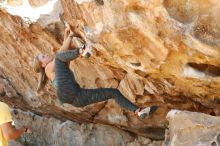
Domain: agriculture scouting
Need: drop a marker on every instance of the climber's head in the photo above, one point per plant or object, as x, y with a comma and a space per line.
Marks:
44, 59
39, 64
41, 61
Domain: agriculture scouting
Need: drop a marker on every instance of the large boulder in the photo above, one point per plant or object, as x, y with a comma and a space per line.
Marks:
192, 129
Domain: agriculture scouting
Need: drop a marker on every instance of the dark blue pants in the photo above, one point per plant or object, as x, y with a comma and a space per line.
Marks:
69, 91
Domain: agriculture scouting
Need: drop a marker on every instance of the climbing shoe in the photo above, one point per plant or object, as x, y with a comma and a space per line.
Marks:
86, 51
147, 111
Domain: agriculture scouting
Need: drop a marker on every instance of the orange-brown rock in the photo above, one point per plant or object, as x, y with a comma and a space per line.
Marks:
14, 3
37, 3
163, 53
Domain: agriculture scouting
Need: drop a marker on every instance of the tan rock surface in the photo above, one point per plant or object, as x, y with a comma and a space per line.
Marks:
156, 52
192, 129
37, 3
14, 3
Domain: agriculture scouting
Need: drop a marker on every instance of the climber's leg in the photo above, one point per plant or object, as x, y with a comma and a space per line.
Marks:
89, 96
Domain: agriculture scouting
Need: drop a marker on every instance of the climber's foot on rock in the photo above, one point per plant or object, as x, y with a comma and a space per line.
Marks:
145, 112
85, 52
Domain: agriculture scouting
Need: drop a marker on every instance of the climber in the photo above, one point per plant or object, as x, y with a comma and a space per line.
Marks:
67, 89
7, 131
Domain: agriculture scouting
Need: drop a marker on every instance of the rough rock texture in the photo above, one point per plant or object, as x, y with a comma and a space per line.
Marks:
192, 129
13, 2
157, 52
68, 133
37, 3
14, 143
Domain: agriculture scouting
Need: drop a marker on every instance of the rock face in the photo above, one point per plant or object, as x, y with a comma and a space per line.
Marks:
68, 133
13, 3
155, 52
192, 129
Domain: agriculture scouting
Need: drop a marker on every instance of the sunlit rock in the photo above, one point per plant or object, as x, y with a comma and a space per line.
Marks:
188, 128
155, 52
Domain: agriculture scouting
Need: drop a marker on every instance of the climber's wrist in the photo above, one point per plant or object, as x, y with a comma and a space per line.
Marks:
71, 36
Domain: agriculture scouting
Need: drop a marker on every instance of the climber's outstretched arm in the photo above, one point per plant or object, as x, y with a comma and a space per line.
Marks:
66, 43
68, 36
66, 33
68, 55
